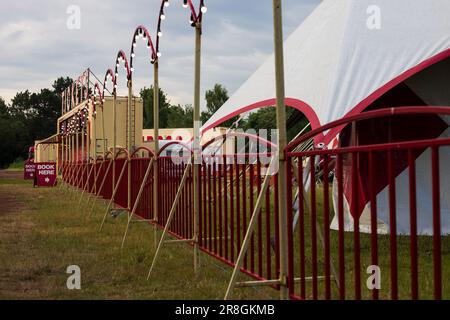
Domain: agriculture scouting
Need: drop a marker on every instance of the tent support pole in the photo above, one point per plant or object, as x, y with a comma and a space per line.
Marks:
282, 140
156, 149
197, 148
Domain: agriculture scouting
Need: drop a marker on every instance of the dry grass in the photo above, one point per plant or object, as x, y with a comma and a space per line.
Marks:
42, 231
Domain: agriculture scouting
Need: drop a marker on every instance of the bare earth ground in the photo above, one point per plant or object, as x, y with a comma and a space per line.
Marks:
43, 231
16, 276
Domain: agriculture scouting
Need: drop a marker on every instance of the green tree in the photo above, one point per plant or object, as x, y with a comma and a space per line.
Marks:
180, 117
13, 136
266, 118
30, 117
147, 96
215, 98
3, 107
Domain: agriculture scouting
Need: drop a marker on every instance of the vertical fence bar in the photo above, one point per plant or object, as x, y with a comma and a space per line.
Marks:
210, 234
215, 203
238, 203
313, 228
301, 228
340, 177
393, 226
244, 206
413, 225
260, 241
290, 237
277, 230
220, 196
356, 215
373, 218
252, 207
232, 223
225, 196
326, 223
436, 224
267, 235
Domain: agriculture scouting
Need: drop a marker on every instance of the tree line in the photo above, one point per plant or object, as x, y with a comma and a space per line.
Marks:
33, 116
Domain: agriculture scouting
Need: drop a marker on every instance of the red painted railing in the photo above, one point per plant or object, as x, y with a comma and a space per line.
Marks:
350, 181
324, 262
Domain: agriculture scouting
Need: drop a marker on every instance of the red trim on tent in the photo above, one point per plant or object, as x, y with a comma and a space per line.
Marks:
303, 107
388, 86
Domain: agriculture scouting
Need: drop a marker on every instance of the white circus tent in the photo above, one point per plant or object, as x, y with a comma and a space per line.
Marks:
349, 56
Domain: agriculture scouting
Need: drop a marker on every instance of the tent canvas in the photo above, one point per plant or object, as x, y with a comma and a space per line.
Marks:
338, 63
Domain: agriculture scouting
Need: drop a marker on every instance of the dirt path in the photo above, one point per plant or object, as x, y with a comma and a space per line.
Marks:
10, 175
17, 278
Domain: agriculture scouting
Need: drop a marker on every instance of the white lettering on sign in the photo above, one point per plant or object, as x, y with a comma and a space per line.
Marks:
46, 167
46, 172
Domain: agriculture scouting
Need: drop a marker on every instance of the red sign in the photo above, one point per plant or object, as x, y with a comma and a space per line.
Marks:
45, 175
28, 170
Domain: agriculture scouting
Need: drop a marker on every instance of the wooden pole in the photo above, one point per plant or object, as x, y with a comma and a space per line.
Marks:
282, 140
197, 148
114, 141
129, 143
156, 148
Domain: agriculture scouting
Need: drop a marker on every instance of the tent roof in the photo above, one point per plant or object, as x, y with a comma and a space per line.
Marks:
336, 65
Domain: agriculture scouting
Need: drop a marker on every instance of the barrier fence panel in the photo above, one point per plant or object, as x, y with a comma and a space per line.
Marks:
170, 171
145, 206
230, 186
121, 197
106, 175
366, 219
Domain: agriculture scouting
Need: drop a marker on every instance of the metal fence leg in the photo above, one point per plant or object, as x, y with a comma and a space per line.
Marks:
169, 219
138, 199
248, 235
101, 186
86, 184
114, 193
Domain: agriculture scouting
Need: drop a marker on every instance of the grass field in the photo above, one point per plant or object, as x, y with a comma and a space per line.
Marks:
43, 231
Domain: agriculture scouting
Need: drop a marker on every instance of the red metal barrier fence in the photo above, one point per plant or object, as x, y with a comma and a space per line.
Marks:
324, 262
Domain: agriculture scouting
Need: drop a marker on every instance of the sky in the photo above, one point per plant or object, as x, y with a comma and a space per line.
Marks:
37, 47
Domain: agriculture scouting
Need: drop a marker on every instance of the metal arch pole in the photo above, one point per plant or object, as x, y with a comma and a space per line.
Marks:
114, 141
138, 199
103, 134
197, 148
156, 148
249, 233
282, 141
170, 218
129, 143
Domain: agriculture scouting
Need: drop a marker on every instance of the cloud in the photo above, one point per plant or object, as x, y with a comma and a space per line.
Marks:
37, 47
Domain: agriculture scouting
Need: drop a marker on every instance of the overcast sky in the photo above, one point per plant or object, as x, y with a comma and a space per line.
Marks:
36, 46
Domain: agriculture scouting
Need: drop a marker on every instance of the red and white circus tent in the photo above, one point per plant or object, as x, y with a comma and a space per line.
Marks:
350, 56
